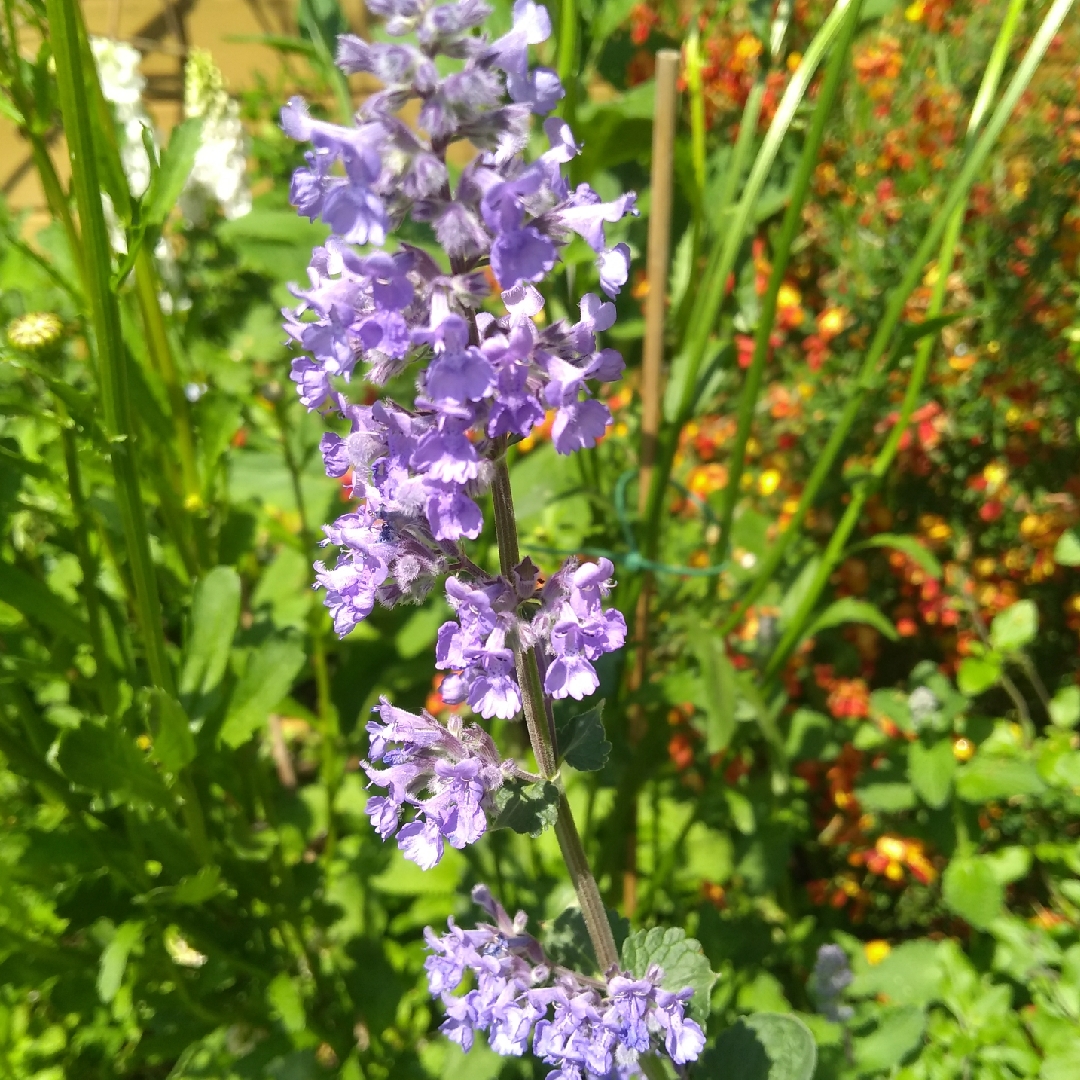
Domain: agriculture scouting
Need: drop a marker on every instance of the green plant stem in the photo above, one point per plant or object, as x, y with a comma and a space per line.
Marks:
834, 75
161, 356
328, 717
65, 28
920, 369
543, 744
868, 376
709, 299
105, 319
88, 565
568, 59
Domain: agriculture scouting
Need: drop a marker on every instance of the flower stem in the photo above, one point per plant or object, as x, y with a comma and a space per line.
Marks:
543, 745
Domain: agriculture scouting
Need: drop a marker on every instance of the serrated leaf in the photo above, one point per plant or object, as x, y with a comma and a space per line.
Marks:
524, 807
764, 1046
912, 548
101, 758
977, 674
1065, 707
114, 958
847, 610
719, 685
267, 679
682, 959
215, 611
173, 743
931, 770
971, 889
177, 161
1067, 549
1015, 627
582, 740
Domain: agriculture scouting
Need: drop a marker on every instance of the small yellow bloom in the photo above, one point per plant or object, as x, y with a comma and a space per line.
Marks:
143, 742
794, 60
876, 951
914, 12
788, 296
894, 872
34, 331
769, 481
891, 847
995, 474
963, 749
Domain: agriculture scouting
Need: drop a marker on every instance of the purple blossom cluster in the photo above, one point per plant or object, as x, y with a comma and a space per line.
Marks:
444, 772
588, 1029
569, 628
483, 380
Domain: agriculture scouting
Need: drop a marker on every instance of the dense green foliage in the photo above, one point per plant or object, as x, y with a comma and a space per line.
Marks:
854, 721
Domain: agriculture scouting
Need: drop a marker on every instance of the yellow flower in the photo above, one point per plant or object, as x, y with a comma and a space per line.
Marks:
891, 847
34, 331
914, 12
769, 481
794, 60
963, 749
995, 474
876, 951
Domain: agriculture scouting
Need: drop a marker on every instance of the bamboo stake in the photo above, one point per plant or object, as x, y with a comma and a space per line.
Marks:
656, 269
656, 265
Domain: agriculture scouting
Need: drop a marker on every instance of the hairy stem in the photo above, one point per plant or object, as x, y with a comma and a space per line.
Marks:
543, 745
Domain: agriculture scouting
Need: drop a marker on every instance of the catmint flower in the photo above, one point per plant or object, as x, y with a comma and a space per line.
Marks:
445, 773
831, 977
483, 379
585, 1028
569, 629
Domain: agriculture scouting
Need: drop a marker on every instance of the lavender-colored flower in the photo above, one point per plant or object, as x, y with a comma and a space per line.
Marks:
831, 977
486, 379
444, 772
585, 1028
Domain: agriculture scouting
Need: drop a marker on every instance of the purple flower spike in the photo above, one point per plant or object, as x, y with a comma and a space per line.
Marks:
445, 773
583, 1028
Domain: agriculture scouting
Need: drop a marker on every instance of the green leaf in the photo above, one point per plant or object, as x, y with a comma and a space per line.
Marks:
101, 757
173, 745
971, 889
37, 603
886, 797
798, 590
682, 959
910, 975
582, 740
987, 777
1065, 707
284, 999
114, 959
912, 548
1067, 549
741, 809
764, 1046
719, 685
566, 940
899, 1031
528, 808
931, 769
1009, 864
910, 333
267, 679
198, 887
215, 611
848, 609
978, 673
1015, 627
177, 161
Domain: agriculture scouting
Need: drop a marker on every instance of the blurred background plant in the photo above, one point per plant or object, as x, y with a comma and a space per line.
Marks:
847, 760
